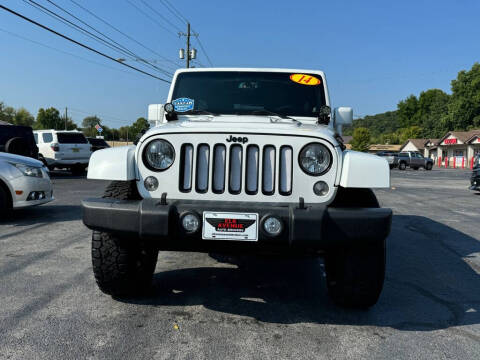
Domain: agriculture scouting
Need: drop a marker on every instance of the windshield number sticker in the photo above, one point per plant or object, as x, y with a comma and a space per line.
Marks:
183, 104
304, 79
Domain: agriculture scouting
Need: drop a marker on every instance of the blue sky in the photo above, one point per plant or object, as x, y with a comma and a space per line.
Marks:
374, 53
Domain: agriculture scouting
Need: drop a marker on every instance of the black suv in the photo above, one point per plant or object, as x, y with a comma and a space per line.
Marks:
18, 140
97, 144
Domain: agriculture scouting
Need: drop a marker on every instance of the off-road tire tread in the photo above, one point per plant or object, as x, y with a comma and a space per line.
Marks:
122, 190
122, 267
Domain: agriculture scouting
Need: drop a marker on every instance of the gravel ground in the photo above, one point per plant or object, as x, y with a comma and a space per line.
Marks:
204, 307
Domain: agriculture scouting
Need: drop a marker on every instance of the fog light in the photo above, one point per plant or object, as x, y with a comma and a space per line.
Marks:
320, 188
36, 195
151, 183
273, 226
190, 222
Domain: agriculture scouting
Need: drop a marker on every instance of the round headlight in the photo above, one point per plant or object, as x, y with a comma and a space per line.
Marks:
315, 159
159, 155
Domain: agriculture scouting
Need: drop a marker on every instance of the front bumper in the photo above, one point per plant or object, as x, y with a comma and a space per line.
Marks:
311, 227
26, 185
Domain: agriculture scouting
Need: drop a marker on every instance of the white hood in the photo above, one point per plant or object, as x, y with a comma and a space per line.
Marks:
233, 124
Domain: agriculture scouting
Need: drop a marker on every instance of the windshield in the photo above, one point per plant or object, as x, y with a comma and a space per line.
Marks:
242, 93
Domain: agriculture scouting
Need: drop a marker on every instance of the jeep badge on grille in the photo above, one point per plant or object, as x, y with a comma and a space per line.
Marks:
242, 140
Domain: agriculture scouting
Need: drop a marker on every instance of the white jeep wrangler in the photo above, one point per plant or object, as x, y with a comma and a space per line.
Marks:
243, 160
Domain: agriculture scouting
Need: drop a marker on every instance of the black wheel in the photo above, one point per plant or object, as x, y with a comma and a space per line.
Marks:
402, 166
428, 166
78, 170
391, 166
355, 274
123, 266
18, 146
5, 201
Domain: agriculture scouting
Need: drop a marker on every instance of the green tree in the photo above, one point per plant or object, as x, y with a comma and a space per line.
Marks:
432, 105
137, 127
407, 111
49, 119
411, 132
23, 117
464, 106
88, 125
361, 139
7, 113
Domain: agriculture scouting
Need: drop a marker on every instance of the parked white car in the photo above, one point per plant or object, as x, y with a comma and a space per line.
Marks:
23, 182
63, 149
242, 160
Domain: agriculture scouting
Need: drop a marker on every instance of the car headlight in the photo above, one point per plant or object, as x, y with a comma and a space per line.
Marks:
315, 159
29, 170
158, 155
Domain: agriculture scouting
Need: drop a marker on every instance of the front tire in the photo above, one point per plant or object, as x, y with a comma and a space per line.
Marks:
428, 166
122, 266
402, 166
355, 273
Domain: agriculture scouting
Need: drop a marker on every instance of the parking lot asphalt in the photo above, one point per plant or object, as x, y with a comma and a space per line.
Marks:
219, 307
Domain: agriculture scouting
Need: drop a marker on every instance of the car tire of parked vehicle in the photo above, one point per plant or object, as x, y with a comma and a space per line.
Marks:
78, 170
4, 200
17, 146
122, 267
355, 274
402, 165
391, 167
428, 166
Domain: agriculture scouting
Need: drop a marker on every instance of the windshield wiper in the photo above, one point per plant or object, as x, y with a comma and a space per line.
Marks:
198, 112
268, 112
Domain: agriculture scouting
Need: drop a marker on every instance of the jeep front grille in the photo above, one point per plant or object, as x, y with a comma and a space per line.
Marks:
236, 169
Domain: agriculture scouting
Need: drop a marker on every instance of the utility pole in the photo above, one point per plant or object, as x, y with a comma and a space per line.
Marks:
66, 117
191, 53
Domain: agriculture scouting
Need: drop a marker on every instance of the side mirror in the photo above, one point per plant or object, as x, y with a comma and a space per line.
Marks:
155, 114
343, 116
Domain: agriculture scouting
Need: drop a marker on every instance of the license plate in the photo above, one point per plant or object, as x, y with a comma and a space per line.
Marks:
75, 150
230, 226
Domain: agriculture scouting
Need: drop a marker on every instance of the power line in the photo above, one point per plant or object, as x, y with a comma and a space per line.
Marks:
61, 51
203, 49
151, 18
160, 15
182, 18
137, 57
174, 11
123, 33
79, 43
91, 35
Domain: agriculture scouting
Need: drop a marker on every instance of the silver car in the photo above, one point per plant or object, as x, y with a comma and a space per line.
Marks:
23, 182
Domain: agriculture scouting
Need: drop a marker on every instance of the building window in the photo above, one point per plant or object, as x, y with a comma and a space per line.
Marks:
458, 153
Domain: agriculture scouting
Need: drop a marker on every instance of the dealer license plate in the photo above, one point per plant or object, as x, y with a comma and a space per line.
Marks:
75, 149
230, 226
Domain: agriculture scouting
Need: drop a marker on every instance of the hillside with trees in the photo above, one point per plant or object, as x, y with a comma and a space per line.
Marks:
430, 115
